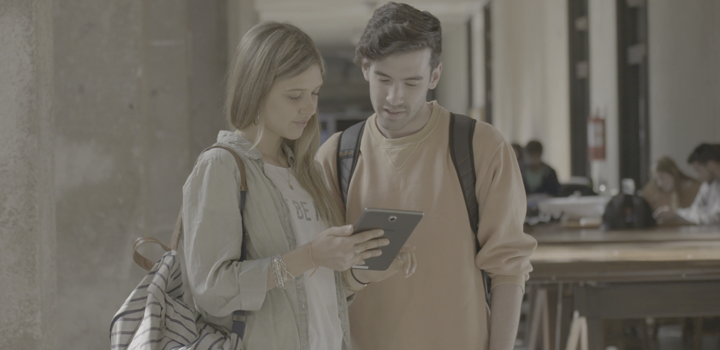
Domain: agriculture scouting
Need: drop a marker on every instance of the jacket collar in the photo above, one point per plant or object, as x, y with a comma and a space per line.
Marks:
245, 148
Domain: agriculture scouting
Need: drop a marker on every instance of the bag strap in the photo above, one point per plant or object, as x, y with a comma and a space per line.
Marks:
239, 317
347, 156
139, 259
177, 232
462, 129
147, 264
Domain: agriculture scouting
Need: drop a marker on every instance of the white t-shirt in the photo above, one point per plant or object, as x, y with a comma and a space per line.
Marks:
705, 209
324, 322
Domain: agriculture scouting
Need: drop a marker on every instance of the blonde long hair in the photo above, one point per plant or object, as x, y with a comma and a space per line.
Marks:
667, 165
270, 52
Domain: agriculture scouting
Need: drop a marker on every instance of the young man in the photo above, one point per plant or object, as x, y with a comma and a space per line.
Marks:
405, 163
538, 177
705, 210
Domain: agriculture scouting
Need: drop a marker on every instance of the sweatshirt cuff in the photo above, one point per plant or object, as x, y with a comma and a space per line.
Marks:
508, 279
351, 298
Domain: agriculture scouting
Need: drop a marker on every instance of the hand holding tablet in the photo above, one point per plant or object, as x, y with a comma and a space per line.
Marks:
397, 225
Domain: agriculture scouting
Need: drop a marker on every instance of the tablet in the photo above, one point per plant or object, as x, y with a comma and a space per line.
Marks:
397, 224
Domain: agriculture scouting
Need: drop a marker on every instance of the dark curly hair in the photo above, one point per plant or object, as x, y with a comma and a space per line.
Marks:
534, 147
704, 153
398, 28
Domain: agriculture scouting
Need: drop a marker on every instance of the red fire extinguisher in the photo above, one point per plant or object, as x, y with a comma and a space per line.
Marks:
596, 137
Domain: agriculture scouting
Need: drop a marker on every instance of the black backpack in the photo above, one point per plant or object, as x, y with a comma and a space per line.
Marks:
462, 129
627, 211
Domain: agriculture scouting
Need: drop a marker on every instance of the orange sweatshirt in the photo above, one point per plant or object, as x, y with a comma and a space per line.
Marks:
443, 305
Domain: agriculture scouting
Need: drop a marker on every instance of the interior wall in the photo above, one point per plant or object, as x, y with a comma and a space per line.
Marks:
452, 91
684, 77
530, 76
477, 24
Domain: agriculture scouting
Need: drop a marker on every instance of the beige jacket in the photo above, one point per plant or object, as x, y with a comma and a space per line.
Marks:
216, 282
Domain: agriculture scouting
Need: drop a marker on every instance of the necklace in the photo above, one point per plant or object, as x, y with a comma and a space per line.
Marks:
286, 178
277, 161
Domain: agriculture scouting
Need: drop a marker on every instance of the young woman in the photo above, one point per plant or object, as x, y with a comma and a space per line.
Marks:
670, 187
296, 278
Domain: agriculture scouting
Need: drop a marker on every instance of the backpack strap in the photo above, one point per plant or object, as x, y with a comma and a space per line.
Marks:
347, 156
462, 129
239, 317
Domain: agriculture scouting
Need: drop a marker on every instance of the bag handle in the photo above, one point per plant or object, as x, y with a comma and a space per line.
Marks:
139, 259
148, 264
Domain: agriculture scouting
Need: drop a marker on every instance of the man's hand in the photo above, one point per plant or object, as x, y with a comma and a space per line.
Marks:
664, 214
405, 262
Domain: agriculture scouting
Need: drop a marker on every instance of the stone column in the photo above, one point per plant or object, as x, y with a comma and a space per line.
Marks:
28, 273
139, 92
241, 17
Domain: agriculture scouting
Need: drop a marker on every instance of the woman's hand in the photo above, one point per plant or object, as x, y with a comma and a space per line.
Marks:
405, 262
338, 249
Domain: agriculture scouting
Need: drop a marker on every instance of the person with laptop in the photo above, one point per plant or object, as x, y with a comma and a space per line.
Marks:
705, 209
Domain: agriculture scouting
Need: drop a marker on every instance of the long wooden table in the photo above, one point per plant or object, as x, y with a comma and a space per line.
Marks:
662, 272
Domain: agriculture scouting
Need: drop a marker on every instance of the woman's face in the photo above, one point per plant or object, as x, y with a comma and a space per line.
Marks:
291, 103
665, 181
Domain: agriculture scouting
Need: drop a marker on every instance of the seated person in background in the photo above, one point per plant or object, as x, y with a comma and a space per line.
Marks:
670, 187
518, 152
705, 209
538, 177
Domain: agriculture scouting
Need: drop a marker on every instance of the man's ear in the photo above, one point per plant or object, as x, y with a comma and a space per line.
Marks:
435, 76
365, 66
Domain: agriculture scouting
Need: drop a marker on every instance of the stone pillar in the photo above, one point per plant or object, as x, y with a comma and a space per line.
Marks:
242, 15
28, 272
208, 52
139, 92
101, 168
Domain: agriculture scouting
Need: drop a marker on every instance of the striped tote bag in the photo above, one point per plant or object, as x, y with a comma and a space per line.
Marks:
154, 316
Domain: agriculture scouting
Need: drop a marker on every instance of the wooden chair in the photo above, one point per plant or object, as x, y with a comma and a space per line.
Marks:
578, 333
702, 326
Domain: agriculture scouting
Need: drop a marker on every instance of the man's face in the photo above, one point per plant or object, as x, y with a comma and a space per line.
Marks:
665, 181
704, 174
398, 87
532, 160
713, 168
